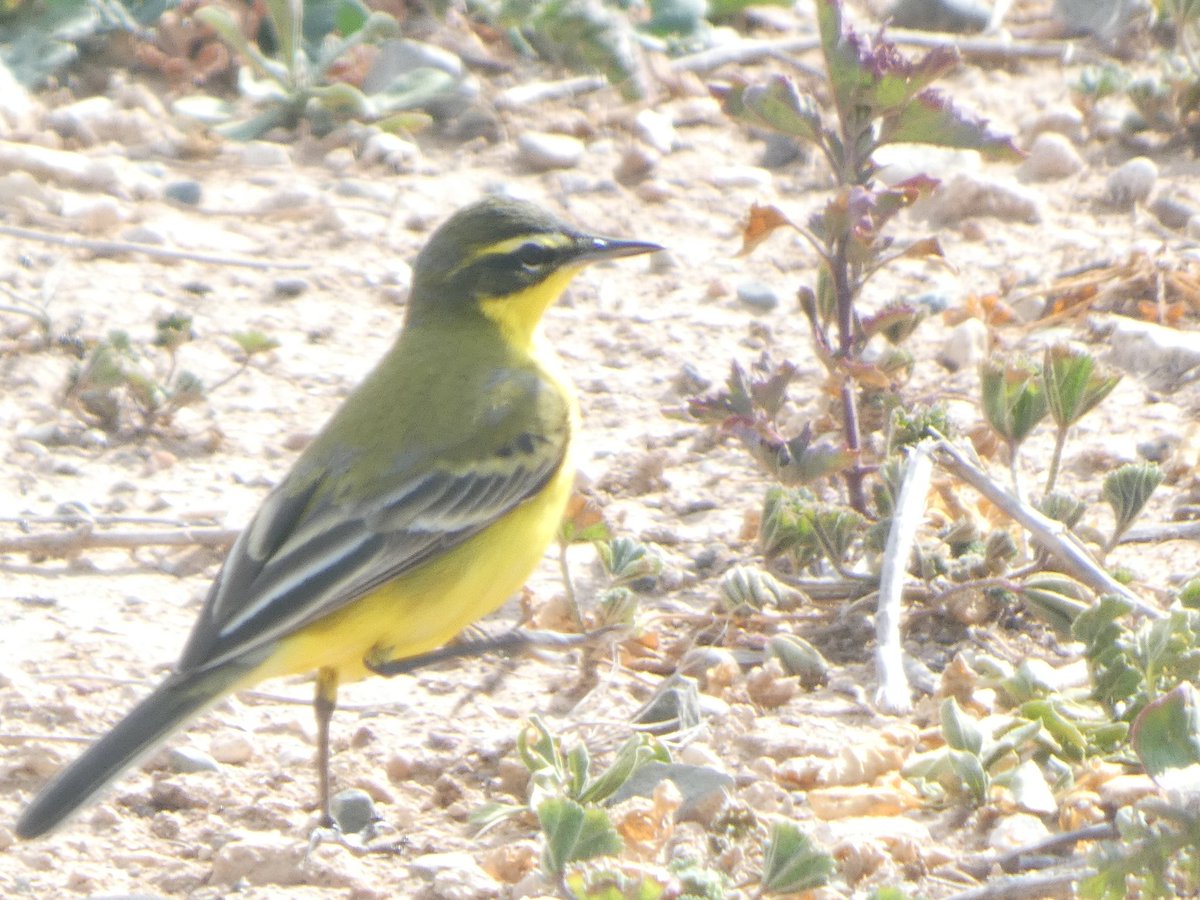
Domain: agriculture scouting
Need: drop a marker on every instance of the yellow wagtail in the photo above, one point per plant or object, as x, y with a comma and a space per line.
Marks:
424, 503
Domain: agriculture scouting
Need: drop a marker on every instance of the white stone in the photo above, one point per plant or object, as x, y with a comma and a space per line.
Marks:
967, 196
655, 129
264, 154
1017, 830
542, 151
741, 177
1166, 358
391, 150
1052, 156
965, 347
91, 214
260, 859
60, 166
231, 748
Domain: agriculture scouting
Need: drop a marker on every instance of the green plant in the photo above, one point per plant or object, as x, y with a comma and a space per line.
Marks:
124, 388
878, 98
296, 77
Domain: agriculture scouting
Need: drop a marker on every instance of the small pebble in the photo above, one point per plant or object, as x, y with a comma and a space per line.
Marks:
189, 759
541, 151
289, 287
48, 434
91, 214
232, 749
655, 190
1131, 183
17, 186
780, 150
264, 154
662, 262
1171, 211
1155, 451
1017, 830
1051, 157
1064, 120
741, 177
391, 150
655, 129
339, 159
635, 165
965, 347
185, 191
758, 295
353, 810
143, 234
956, 16
966, 196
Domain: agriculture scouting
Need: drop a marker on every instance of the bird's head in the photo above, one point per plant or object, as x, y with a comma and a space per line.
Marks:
507, 259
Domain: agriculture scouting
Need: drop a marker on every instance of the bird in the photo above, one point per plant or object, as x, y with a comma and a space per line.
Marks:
423, 504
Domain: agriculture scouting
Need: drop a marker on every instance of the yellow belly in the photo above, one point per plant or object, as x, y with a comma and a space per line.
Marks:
425, 608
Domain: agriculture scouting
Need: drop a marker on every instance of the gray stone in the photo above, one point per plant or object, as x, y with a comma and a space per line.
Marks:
289, 287
957, 16
758, 295
353, 810
1171, 211
186, 191
1131, 183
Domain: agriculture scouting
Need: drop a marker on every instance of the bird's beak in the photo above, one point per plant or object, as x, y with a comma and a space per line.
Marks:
595, 249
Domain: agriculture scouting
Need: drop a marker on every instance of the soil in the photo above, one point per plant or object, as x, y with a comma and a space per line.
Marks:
83, 638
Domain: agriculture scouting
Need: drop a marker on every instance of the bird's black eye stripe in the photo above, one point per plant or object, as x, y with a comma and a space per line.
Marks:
534, 255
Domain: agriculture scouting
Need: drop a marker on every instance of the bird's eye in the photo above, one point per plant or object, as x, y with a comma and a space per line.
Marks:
534, 255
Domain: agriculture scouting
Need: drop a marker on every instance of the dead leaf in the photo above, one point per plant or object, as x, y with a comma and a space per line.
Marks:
763, 220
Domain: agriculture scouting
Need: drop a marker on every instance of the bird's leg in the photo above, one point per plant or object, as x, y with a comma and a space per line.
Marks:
324, 704
516, 639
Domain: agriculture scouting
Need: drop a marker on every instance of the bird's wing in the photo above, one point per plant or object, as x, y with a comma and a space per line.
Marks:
308, 552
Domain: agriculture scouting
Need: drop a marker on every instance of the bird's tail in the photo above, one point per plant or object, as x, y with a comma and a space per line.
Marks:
177, 699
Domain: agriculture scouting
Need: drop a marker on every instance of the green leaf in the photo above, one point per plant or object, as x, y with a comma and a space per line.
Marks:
959, 729
1013, 399
745, 589
932, 119
1061, 728
252, 343
635, 753
1065, 508
776, 105
1127, 491
1166, 734
969, 769
349, 16
800, 658
837, 528
574, 833
791, 862
1073, 384
222, 22
1056, 599
627, 560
